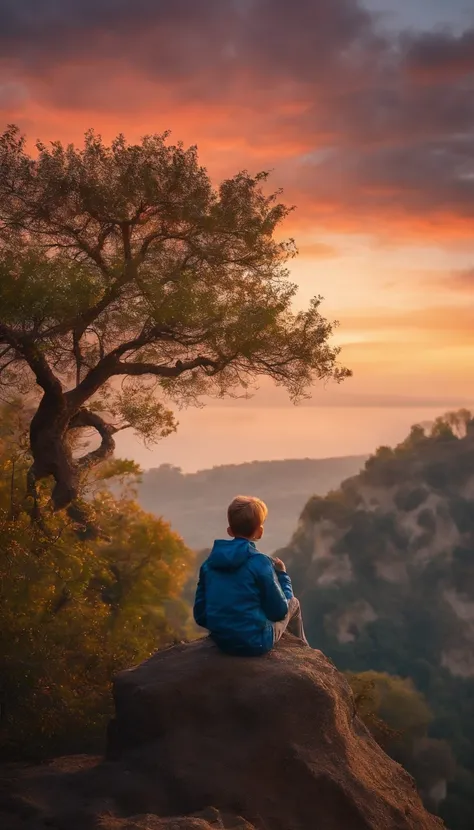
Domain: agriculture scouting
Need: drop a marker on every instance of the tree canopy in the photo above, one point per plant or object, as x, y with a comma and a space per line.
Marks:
129, 283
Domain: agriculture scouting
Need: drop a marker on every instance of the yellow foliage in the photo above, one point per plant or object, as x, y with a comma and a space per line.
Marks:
73, 612
391, 707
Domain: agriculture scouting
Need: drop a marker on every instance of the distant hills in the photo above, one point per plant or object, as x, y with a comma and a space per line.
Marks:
195, 503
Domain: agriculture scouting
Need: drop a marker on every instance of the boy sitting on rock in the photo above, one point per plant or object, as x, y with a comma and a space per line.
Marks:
245, 598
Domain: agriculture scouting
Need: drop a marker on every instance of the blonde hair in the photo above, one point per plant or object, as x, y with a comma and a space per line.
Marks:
245, 515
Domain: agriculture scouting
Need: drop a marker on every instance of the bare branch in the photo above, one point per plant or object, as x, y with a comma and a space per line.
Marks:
99, 340
126, 239
137, 369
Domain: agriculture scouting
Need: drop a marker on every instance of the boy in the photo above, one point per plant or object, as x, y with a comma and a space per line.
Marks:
244, 598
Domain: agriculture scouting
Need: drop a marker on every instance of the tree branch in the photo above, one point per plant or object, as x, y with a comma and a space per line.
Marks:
9, 336
5, 351
93, 253
87, 317
85, 418
126, 239
76, 348
137, 369
28, 349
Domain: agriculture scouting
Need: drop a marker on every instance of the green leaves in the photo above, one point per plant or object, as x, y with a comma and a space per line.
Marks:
125, 260
37, 290
75, 611
138, 409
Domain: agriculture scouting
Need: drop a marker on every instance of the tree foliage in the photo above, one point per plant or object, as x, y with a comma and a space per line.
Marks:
75, 610
398, 716
127, 281
394, 701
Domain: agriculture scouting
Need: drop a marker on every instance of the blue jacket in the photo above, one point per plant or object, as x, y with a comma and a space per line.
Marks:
239, 595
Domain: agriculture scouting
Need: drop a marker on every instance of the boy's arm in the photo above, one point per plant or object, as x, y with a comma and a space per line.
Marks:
285, 584
199, 610
283, 578
274, 601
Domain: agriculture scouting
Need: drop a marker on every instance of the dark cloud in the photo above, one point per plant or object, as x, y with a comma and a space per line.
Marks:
303, 40
25, 21
425, 186
441, 54
169, 37
388, 142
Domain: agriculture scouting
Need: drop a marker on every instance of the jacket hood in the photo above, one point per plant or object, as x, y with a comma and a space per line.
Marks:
230, 554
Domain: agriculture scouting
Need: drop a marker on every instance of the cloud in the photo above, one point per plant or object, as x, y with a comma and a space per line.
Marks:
12, 95
440, 55
267, 33
318, 250
462, 281
444, 325
342, 111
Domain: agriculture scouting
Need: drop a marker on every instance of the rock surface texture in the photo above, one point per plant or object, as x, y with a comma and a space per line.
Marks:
272, 739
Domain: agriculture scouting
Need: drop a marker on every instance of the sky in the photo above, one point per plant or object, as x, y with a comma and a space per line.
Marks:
364, 112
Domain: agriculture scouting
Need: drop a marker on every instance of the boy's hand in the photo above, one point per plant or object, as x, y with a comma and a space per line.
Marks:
279, 565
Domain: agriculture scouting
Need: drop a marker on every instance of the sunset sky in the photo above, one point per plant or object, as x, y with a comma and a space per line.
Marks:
365, 114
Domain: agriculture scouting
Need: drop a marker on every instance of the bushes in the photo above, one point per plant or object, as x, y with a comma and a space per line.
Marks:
74, 611
410, 498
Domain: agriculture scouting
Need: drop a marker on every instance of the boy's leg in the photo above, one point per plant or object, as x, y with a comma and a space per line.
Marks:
293, 622
295, 625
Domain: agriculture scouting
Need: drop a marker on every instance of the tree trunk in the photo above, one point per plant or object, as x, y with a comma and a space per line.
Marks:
52, 455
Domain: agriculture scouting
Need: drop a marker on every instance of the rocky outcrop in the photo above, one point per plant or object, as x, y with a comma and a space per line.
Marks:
82, 793
275, 740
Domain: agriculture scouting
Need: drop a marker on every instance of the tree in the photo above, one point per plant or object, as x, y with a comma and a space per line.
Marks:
395, 700
74, 611
125, 275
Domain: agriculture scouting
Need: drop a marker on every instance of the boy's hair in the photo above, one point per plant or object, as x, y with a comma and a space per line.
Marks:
245, 514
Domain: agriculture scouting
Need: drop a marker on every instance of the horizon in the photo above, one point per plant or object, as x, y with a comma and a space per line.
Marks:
256, 442
256, 461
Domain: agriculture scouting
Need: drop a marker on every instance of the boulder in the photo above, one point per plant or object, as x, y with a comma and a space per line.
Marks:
202, 741
274, 739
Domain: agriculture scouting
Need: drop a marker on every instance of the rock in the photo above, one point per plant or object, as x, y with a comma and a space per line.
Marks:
80, 793
272, 743
274, 739
210, 820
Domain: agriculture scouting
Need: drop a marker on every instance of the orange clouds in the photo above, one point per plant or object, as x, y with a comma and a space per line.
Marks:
312, 90
443, 324
317, 250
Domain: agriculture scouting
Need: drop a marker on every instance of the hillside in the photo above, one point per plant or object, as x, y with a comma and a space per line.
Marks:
195, 503
384, 567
